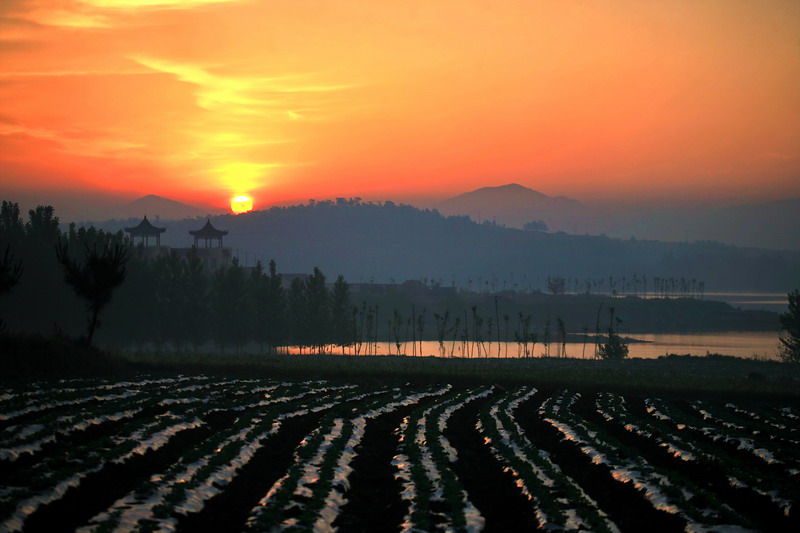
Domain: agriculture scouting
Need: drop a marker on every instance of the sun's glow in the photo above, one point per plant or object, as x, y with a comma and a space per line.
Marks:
582, 99
241, 204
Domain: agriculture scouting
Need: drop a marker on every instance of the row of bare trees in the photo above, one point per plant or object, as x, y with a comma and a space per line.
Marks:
476, 335
635, 285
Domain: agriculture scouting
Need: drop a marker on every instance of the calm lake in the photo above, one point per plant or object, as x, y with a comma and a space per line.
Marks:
761, 345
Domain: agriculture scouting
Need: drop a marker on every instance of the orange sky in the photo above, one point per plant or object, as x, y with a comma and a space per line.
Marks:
198, 100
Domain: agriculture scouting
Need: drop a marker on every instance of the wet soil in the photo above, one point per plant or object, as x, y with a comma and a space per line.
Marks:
623, 504
373, 499
8, 469
101, 489
228, 511
374, 502
493, 491
756, 508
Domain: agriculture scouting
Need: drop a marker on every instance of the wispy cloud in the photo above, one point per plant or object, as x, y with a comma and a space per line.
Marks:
94, 14
237, 94
157, 4
74, 142
68, 73
69, 18
215, 92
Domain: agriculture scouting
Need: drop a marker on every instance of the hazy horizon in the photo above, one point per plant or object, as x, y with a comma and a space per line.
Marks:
87, 205
608, 101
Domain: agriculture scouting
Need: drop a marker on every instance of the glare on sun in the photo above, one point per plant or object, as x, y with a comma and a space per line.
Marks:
241, 204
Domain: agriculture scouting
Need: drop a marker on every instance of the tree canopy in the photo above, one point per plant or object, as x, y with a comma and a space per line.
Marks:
790, 322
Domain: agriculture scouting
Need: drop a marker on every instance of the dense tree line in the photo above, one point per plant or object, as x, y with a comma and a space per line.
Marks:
166, 301
172, 301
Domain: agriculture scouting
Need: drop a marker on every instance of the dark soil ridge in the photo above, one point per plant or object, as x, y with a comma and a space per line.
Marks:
29, 417
373, 499
761, 508
99, 490
228, 510
624, 505
493, 491
769, 470
75, 438
71, 439
756, 508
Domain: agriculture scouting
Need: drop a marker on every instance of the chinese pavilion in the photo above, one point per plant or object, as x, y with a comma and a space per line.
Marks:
145, 230
208, 233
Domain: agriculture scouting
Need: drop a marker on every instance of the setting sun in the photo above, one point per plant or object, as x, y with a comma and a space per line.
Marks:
241, 204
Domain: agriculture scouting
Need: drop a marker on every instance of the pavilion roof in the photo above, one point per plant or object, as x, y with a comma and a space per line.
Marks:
145, 228
208, 231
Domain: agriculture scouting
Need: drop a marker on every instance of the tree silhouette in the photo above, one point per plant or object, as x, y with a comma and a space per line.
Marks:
42, 224
441, 329
270, 300
395, 326
12, 230
297, 313
790, 321
318, 312
10, 272
95, 278
194, 309
562, 336
343, 327
614, 348
170, 292
232, 305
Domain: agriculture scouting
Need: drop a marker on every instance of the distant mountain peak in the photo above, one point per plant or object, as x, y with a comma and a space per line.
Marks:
509, 187
153, 197
155, 206
513, 204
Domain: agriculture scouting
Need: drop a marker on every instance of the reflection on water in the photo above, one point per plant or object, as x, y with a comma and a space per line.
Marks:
758, 344
768, 301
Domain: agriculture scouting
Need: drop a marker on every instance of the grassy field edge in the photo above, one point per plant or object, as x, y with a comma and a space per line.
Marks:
29, 358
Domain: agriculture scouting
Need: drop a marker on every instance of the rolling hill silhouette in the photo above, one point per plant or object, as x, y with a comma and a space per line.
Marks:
158, 207
765, 225
383, 242
513, 205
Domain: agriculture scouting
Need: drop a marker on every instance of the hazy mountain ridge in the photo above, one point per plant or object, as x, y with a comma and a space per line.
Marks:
765, 225
381, 242
513, 205
158, 207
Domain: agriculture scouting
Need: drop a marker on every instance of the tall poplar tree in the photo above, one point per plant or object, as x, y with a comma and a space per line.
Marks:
343, 327
318, 311
95, 278
790, 322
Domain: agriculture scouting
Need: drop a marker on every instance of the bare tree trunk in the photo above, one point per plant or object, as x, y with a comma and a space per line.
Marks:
92, 325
